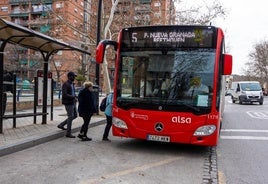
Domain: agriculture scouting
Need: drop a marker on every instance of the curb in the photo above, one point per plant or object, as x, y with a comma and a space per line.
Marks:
36, 140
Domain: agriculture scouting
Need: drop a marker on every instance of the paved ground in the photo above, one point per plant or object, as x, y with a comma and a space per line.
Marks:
26, 134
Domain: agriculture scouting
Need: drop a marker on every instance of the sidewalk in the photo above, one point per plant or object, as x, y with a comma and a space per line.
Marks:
28, 134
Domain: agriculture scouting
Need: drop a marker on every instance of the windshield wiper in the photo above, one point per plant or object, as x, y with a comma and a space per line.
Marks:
190, 106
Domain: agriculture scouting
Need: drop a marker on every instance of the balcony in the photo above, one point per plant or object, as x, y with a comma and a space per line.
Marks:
41, 8
20, 22
30, 63
19, 14
43, 1
145, 1
39, 21
17, 2
143, 9
35, 10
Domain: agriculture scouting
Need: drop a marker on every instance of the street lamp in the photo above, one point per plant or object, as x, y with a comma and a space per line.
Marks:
97, 72
98, 39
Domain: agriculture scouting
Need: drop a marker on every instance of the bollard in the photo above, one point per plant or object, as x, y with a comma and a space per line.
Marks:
18, 95
59, 94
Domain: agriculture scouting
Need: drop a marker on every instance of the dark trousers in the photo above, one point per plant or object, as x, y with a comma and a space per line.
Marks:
4, 98
84, 127
72, 114
107, 127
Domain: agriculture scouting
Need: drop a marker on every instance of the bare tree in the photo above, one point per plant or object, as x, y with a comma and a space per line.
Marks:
258, 61
202, 13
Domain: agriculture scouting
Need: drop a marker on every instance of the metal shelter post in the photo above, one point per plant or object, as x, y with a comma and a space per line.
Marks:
2, 47
45, 78
97, 71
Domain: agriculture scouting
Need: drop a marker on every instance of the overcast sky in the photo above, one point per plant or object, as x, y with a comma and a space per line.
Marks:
245, 25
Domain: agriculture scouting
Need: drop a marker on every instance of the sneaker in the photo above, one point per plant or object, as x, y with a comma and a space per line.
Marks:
86, 139
61, 127
106, 139
80, 136
70, 136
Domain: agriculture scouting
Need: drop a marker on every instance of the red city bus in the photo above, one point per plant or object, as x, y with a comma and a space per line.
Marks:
169, 83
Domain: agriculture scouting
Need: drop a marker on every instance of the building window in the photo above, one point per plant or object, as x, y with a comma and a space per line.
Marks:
59, 5
4, 8
157, 4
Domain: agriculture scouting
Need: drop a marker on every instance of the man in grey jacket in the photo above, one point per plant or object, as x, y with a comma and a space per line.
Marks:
69, 100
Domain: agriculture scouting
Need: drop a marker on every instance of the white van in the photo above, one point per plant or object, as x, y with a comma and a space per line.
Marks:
246, 91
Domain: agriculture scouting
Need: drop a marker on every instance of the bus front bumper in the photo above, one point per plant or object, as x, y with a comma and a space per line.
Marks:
174, 137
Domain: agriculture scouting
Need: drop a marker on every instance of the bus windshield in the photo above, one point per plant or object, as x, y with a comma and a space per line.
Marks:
175, 80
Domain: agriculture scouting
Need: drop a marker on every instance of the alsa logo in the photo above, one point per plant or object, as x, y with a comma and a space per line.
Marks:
181, 119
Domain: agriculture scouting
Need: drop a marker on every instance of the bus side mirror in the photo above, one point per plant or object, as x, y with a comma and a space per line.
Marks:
100, 51
228, 64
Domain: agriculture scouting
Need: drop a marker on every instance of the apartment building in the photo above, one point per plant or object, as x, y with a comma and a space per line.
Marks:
75, 22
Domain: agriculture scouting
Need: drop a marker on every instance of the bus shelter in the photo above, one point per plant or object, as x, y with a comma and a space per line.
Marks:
47, 46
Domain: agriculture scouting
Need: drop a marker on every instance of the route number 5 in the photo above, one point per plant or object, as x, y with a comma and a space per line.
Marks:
134, 38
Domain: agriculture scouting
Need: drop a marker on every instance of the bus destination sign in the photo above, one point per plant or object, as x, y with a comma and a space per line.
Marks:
168, 37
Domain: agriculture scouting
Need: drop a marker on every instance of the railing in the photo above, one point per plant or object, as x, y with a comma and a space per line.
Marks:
28, 95
18, 1
22, 87
28, 1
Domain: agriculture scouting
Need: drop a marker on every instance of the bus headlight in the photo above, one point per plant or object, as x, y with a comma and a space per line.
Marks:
205, 130
119, 123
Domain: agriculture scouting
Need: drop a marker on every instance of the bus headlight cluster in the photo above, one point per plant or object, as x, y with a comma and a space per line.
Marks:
119, 123
205, 130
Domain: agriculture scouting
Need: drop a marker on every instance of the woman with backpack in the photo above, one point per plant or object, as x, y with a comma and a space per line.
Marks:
108, 114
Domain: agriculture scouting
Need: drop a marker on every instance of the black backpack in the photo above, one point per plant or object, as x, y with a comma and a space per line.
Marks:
103, 104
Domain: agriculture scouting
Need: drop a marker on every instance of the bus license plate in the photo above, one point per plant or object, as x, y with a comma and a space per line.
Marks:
158, 138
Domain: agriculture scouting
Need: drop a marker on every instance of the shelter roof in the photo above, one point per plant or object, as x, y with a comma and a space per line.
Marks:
17, 34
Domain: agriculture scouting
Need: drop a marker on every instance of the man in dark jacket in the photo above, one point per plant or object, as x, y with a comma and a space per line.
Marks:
69, 100
86, 108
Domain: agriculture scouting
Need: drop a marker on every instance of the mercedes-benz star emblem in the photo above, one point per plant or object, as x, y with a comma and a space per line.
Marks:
159, 127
